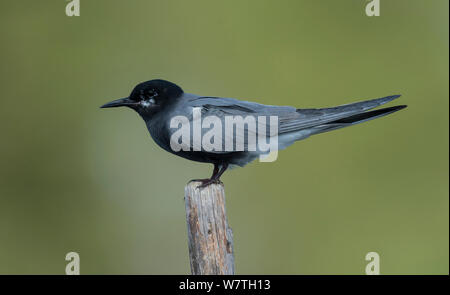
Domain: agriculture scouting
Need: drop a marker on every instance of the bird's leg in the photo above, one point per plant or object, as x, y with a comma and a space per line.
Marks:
215, 178
222, 170
215, 171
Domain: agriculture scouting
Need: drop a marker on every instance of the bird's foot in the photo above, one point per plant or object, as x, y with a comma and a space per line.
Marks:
206, 182
202, 180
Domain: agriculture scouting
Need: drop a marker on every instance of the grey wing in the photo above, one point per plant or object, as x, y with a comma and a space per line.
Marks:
223, 107
293, 124
291, 119
231, 106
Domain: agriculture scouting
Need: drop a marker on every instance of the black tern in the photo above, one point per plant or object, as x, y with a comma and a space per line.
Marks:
161, 102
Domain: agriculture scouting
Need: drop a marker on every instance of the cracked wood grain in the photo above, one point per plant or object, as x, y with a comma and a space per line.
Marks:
210, 238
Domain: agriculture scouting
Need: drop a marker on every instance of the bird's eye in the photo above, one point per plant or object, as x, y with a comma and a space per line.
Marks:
152, 95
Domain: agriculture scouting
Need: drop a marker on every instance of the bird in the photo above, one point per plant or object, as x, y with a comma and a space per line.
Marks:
159, 101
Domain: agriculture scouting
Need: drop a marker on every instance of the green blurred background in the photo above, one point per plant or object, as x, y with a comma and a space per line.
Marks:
77, 178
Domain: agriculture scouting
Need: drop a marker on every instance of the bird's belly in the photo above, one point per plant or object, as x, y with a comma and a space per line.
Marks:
161, 137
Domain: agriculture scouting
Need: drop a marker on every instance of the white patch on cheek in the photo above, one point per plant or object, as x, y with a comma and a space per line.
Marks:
145, 103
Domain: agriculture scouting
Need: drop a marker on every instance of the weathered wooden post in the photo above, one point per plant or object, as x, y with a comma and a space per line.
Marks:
209, 236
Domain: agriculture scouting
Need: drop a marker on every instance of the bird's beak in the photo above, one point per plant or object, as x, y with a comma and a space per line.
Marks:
122, 102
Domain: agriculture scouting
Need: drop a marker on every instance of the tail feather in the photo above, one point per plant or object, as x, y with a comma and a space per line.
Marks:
311, 118
356, 119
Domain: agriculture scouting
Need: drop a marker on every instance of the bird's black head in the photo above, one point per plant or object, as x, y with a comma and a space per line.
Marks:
148, 97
